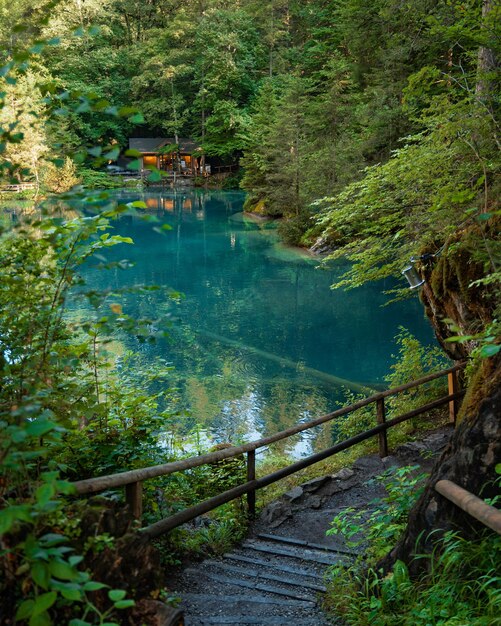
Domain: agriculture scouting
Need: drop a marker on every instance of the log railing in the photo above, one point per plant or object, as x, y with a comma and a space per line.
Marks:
132, 480
471, 504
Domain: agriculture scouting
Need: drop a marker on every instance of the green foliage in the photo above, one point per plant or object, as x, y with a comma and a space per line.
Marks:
462, 588
382, 527
415, 361
462, 585
95, 179
49, 370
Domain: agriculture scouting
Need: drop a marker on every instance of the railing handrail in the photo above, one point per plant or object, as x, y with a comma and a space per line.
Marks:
249, 488
120, 479
471, 504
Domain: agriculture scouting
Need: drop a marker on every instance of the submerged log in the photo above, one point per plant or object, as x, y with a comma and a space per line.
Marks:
328, 378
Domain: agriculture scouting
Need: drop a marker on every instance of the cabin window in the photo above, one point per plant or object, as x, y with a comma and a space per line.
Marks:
149, 160
166, 162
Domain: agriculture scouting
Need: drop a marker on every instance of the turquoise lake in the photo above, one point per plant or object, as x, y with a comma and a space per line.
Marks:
259, 339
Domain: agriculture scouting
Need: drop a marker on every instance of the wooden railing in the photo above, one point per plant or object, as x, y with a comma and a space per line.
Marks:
19, 187
471, 504
132, 480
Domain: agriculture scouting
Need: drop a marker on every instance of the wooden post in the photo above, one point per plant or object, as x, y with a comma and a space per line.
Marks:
452, 380
134, 498
383, 436
251, 475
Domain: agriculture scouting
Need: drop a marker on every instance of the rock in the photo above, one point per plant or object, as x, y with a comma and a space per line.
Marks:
315, 502
437, 441
313, 485
276, 513
390, 461
154, 613
411, 452
336, 486
343, 474
372, 463
294, 494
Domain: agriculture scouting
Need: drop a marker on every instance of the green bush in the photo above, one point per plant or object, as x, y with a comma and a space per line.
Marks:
462, 586
95, 179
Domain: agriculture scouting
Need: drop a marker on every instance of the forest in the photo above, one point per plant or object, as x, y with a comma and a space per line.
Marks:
368, 131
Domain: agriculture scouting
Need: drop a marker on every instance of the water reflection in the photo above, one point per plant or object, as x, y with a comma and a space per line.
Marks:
259, 341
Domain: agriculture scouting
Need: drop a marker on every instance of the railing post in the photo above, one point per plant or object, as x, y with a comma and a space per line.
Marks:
383, 435
251, 475
453, 384
134, 498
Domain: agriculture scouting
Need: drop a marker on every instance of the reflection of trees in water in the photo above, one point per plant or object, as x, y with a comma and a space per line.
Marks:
270, 319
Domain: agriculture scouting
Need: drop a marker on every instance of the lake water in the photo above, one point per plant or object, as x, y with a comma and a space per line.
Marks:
259, 341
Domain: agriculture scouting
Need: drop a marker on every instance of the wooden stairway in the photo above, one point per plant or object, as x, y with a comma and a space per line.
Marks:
265, 580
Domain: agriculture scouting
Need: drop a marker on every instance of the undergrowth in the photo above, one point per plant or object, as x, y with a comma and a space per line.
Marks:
462, 586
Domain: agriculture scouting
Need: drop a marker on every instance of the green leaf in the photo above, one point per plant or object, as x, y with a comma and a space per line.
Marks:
62, 570
154, 176
25, 609
78, 622
116, 594
39, 427
11, 514
44, 493
42, 619
72, 594
92, 585
483, 217
40, 574
52, 539
113, 154
132, 153
37, 48
84, 107
134, 165
44, 602
124, 604
490, 350
120, 239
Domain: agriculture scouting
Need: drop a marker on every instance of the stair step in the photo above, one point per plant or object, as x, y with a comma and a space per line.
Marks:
261, 620
277, 566
254, 573
246, 600
306, 544
301, 555
253, 585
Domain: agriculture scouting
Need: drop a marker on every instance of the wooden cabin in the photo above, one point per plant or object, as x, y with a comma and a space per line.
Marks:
185, 158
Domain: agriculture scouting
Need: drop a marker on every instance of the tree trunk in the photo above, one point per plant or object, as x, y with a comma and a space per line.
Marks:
487, 62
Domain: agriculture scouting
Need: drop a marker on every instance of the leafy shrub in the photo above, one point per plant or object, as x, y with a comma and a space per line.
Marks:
463, 585
95, 179
414, 361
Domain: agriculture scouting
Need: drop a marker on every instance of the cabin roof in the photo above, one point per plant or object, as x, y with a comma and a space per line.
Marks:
153, 144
